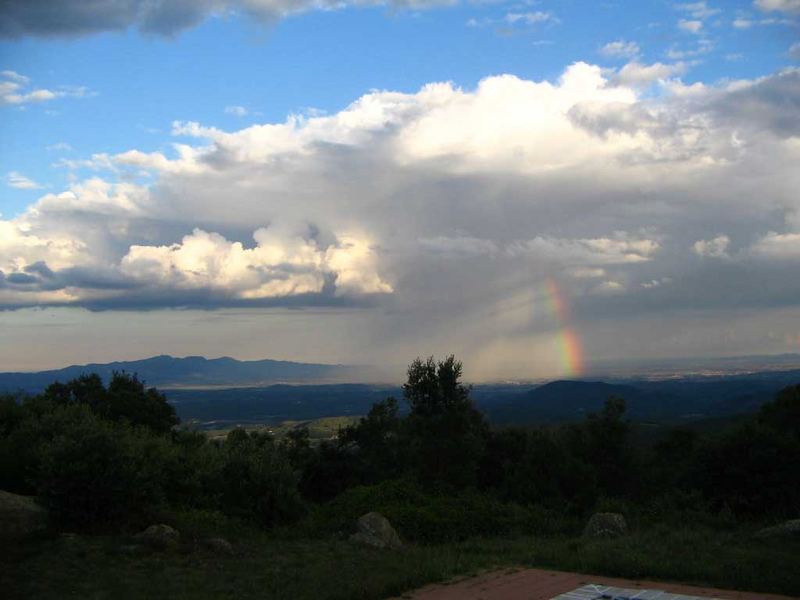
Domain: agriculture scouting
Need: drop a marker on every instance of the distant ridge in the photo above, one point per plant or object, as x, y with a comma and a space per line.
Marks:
680, 398
193, 371
564, 400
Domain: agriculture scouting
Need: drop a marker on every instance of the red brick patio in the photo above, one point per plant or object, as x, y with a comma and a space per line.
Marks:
540, 584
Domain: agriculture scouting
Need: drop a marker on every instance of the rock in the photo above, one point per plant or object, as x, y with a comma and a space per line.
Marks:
159, 537
786, 529
20, 516
219, 545
375, 530
606, 525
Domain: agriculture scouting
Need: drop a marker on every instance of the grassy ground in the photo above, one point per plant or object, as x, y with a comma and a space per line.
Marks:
324, 428
269, 567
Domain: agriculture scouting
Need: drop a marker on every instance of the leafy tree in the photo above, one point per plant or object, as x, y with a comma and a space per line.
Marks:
129, 400
257, 480
535, 467
444, 432
332, 469
297, 446
602, 442
87, 389
783, 413
377, 440
92, 472
11, 413
125, 399
752, 470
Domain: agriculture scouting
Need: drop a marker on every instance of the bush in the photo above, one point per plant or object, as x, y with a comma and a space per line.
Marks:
254, 479
783, 413
125, 400
93, 473
535, 467
426, 517
752, 470
331, 469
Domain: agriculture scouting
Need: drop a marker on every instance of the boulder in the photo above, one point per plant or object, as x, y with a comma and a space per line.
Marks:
159, 537
219, 545
606, 525
786, 529
20, 516
373, 529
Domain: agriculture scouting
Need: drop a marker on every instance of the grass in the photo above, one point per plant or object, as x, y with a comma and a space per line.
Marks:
268, 566
324, 428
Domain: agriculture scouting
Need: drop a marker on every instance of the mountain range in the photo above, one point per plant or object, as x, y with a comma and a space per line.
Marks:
226, 391
193, 371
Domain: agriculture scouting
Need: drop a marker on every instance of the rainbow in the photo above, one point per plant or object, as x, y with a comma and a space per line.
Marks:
569, 343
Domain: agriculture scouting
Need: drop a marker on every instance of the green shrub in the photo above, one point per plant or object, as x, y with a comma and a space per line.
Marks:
426, 517
752, 470
93, 473
254, 479
125, 400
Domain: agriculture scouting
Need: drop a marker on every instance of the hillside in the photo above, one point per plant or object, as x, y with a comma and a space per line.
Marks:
672, 400
193, 371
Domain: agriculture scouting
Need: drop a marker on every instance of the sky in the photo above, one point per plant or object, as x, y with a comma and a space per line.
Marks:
535, 186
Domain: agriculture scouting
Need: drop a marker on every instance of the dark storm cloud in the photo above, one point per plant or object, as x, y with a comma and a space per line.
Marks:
48, 18
770, 104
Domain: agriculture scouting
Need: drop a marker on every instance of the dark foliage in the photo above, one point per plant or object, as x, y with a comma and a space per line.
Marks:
444, 432
125, 399
112, 456
255, 479
94, 472
783, 414
377, 438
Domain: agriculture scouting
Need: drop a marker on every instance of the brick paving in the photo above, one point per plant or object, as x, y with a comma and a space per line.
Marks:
541, 584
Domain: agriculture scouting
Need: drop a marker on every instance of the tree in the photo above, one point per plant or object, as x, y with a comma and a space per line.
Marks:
256, 479
783, 413
376, 439
602, 442
93, 472
752, 470
445, 433
87, 389
125, 399
129, 400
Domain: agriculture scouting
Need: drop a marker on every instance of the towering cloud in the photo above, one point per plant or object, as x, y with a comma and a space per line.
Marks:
443, 207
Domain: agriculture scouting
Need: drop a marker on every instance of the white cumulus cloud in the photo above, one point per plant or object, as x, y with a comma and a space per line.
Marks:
690, 25
437, 204
15, 90
620, 48
787, 6
716, 247
236, 111
20, 182
636, 73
